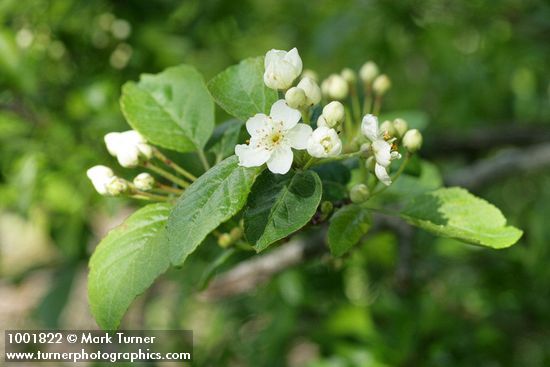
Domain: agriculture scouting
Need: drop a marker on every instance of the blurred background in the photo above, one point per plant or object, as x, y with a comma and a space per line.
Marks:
478, 71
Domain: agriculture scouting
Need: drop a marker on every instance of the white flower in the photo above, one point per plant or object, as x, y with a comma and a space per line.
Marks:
281, 68
273, 137
128, 147
311, 90
380, 148
368, 72
144, 181
335, 87
324, 142
334, 113
100, 176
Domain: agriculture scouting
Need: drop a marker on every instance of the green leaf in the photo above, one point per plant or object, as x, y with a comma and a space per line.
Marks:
225, 137
280, 205
408, 186
211, 200
240, 89
346, 228
126, 263
455, 213
334, 176
172, 109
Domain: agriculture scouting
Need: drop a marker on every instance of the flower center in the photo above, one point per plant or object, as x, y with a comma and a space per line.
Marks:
326, 143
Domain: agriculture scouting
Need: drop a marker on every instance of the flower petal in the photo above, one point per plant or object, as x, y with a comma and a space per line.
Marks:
299, 135
273, 56
382, 174
281, 160
257, 123
369, 127
382, 152
293, 57
281, 112
251, 157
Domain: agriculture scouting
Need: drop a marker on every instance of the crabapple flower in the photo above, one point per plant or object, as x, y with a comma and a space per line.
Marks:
412, 140
281, 68
368, 72
311, 90
100, 177
144, 181
128, 147
324, 142
333, 113
335, 87
381, 149
273, 137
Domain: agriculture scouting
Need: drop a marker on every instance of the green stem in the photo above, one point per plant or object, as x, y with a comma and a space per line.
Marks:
174, 166
305, 115
169, 189
203, 159
377, 105
397, 174
367, 103
309, 163
138, 194
165, 174
348, 128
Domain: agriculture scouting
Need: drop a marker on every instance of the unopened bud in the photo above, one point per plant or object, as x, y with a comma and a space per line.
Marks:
225, 240
117, 186
349, 75
311, 90
144, 181
368, 72
370, 164
236, 233
400, 127
308, 73
359, 193
321, 122
381, 84
387, 127
334, 113
295, 98
326, 208
412, 140
335, 87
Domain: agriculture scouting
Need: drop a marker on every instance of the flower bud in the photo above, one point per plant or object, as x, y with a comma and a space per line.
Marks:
326, 208
281, 68
308, 73
100, 177
381, 84
334, 114
236, 233
400, 127
321, 122
349, 75
311, 90
128, 147
388, 128
324, 142
117, 186
295, 98
368, 72
359, 193
144, 181
225, 240
412, 140
370, 164
335, 87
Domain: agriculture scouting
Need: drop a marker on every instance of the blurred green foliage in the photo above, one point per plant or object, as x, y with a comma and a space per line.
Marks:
466, 64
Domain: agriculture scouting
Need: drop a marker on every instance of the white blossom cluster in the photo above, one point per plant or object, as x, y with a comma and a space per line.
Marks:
129, 148
273, 137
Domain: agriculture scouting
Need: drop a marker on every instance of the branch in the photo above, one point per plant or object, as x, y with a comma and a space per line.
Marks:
483, 139
507, 163
251, 273
259, 269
